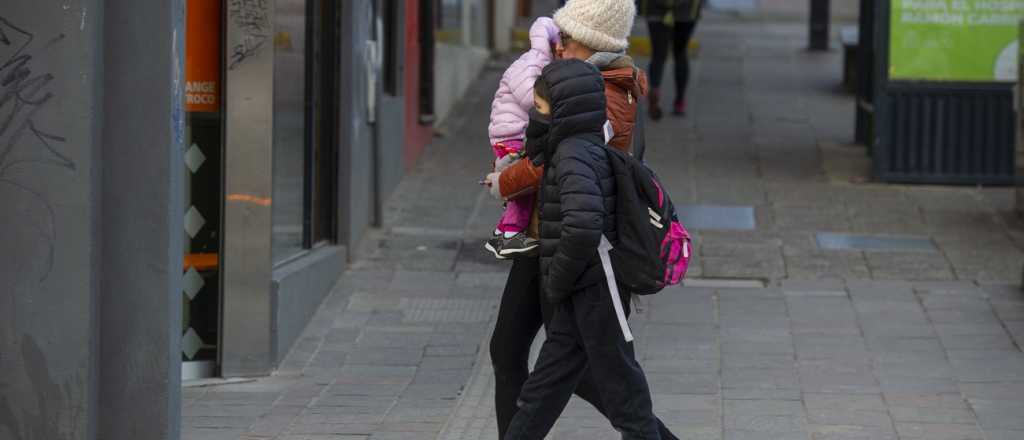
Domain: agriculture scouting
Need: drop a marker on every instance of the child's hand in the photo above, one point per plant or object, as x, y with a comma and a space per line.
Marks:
504, 162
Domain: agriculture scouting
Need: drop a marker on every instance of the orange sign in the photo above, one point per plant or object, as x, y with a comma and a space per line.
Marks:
202, 55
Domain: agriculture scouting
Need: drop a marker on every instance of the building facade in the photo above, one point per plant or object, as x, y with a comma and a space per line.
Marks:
183, 181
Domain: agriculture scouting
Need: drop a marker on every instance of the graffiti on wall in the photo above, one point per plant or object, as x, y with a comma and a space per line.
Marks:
25, 144
252, 19
28, 149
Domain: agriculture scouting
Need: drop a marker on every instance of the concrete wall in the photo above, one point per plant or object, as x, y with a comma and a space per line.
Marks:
297, 290
355, 170
49, 187
90, 184
455, 70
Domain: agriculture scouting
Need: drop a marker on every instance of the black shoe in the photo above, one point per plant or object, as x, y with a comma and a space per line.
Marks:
494, 246
519, 245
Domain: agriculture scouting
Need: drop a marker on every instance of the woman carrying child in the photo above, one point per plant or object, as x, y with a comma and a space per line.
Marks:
595, 31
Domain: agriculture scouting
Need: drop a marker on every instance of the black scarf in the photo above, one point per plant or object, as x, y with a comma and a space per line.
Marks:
537, 133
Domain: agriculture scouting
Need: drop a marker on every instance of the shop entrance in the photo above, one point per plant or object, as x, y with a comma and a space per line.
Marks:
204, 124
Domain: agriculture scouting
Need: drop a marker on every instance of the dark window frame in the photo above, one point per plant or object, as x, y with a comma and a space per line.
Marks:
320, 183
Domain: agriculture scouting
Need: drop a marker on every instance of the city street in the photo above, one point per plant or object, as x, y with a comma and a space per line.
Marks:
820, 305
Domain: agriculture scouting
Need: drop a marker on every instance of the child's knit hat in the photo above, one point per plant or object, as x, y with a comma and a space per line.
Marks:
602, 25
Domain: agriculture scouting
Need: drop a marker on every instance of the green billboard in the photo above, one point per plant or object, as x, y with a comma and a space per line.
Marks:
954, 40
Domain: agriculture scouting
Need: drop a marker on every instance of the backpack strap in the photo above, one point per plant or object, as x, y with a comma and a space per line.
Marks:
613, 287
639, 130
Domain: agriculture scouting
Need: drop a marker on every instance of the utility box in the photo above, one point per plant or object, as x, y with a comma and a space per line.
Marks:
943, 93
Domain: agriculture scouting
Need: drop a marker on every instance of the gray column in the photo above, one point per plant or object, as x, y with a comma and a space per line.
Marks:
142, 220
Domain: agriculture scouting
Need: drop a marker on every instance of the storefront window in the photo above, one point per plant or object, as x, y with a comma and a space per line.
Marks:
304, 142
290, 97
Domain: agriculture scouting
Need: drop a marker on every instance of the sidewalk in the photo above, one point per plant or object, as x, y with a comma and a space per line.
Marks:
778, 335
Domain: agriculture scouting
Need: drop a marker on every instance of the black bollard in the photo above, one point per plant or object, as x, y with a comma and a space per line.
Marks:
819, 24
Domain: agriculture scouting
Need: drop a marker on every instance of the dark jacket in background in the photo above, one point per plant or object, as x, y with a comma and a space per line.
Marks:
682, 10
577, 193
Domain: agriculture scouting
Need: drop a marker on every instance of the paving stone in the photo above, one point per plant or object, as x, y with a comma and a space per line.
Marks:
999, 414
688, 384
837, 376
322, 437
1002, 434
931, 408
988, 366
765, 265
978, 342
917, 431
757, 361
734, 434
848, 432
830, 346
849, 410
913, 266
199, 433
1016, 329
761, 379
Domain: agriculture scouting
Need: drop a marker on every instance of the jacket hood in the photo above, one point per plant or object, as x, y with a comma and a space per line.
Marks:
578, 105
543, 33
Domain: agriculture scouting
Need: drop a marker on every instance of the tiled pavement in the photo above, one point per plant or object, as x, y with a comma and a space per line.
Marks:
840, 345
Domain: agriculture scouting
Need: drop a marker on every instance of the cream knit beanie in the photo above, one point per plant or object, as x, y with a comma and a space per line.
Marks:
602, 25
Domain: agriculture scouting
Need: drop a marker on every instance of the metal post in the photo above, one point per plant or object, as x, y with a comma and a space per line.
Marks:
819, 25
246, 347
1019, 107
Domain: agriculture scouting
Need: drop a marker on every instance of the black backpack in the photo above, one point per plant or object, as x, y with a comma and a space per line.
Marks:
653, 248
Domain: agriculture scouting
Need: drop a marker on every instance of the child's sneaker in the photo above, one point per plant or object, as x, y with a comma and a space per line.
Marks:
494, 245
519, 245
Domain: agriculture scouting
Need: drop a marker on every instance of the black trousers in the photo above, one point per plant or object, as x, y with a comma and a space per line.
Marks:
519, 320
678, 37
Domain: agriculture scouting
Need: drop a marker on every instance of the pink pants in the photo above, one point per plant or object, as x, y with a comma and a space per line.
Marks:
516, 217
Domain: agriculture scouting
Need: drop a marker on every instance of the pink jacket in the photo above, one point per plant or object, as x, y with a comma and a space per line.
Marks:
514, 98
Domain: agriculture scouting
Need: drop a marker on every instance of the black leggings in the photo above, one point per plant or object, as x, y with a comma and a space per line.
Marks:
519, 320
677, 36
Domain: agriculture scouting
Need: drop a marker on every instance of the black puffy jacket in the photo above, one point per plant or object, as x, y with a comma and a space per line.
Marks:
577, 193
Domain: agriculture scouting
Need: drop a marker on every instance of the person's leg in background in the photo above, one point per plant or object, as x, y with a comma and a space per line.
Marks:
519, 321
660, 35
682, 33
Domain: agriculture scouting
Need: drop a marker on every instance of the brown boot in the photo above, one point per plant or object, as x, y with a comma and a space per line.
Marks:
655, 98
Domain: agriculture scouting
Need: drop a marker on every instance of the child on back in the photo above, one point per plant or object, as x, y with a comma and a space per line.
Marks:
507, 131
